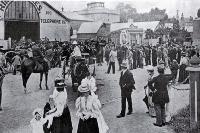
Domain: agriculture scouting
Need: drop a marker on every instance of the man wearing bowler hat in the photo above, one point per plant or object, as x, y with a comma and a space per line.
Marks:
126, 83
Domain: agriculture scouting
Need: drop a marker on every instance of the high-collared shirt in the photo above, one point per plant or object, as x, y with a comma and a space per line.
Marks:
123, 71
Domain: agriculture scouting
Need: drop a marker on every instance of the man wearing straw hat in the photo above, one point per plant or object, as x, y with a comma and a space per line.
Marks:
126, 83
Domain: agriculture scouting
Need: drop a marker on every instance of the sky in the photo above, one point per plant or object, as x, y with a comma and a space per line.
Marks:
187, 7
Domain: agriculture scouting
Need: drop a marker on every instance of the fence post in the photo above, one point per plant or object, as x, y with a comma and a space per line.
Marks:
194, 74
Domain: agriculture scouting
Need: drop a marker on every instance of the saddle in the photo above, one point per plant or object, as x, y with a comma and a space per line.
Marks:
41, 65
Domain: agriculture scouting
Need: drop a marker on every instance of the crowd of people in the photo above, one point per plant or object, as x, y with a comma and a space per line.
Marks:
56, 117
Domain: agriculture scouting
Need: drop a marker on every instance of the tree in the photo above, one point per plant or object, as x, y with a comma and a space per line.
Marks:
126, 11
129, 12
198, 13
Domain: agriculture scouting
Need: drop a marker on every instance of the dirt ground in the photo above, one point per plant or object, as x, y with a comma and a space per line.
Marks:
18, 107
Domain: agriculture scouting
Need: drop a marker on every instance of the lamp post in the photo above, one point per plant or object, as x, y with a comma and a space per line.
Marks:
194, 73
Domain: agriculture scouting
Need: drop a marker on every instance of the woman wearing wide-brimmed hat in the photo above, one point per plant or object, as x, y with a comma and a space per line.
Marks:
90, 117
61, 114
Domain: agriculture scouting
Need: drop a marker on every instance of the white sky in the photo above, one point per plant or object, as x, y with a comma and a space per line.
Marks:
188, 7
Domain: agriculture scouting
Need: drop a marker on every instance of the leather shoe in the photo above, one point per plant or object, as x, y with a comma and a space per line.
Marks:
129, 113
120, 115
157, 125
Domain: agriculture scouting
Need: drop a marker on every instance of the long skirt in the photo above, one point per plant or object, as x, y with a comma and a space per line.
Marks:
182, 73
88, 126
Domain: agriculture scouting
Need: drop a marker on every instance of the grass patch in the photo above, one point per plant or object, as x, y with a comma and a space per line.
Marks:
181, 122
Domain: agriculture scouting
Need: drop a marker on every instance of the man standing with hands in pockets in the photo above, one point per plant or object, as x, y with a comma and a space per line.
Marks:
126, 83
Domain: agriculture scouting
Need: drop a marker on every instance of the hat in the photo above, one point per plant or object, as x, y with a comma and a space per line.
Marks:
39, 111
58, 80
84, 86
124, 64
160, 67
74, 42
161, 62
61, 85
80, 59
183, 53
150, 68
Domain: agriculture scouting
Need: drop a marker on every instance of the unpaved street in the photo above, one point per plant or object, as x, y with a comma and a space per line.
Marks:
18, 107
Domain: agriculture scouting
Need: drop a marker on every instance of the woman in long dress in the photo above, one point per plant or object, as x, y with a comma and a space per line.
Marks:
183, 74
149, 93
88, 105
61, 114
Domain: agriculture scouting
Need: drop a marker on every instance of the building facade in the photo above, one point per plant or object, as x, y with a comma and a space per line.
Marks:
129, 36
32, 19
97, 31
97, 12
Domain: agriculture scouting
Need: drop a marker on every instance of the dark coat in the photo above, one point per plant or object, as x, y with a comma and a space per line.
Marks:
120, 55
127, 82
160, 85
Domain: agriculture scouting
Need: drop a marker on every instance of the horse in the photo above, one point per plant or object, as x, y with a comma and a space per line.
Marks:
30, 65
79, 70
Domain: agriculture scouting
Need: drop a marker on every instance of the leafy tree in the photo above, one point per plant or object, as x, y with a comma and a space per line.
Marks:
129, 12
198, 13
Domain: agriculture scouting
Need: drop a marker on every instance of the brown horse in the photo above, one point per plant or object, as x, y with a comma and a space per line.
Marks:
29, 66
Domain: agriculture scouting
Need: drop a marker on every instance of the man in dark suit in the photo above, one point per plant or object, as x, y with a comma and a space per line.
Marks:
160, 97
126, 83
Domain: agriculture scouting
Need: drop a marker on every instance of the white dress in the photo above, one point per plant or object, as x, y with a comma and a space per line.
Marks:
37, 126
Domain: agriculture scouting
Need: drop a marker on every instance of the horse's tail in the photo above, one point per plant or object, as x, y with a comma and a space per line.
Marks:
23, 71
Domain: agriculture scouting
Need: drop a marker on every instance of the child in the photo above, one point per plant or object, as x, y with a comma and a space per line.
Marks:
38, 121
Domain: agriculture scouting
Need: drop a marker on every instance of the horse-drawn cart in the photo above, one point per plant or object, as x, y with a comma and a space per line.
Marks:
79, 68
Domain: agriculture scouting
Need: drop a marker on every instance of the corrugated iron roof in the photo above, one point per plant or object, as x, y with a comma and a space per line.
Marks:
90, 27
144, 25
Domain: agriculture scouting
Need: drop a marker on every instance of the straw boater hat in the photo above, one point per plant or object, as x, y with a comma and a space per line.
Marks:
124, 64
84, 86
74, 42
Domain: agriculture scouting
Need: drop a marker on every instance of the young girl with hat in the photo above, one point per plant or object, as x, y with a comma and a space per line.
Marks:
38, 121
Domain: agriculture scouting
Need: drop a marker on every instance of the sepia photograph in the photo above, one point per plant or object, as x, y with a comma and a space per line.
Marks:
100, 66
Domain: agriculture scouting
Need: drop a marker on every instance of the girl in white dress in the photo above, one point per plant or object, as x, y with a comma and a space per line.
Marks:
38, 121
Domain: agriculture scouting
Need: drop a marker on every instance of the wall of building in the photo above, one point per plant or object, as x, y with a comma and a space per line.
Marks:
84, 36
53, 26
104, 17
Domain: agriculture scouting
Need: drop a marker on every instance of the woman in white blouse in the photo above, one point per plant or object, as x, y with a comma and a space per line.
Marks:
90, 117
183, 74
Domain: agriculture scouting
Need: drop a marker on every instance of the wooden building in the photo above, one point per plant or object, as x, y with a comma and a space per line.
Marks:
93, 30
32, 19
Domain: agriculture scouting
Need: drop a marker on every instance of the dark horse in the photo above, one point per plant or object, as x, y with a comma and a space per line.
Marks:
79, 70
29, 66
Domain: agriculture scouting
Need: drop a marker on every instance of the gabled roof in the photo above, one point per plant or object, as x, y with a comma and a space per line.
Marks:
90, 27
75, 16
59, 13
144, 25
